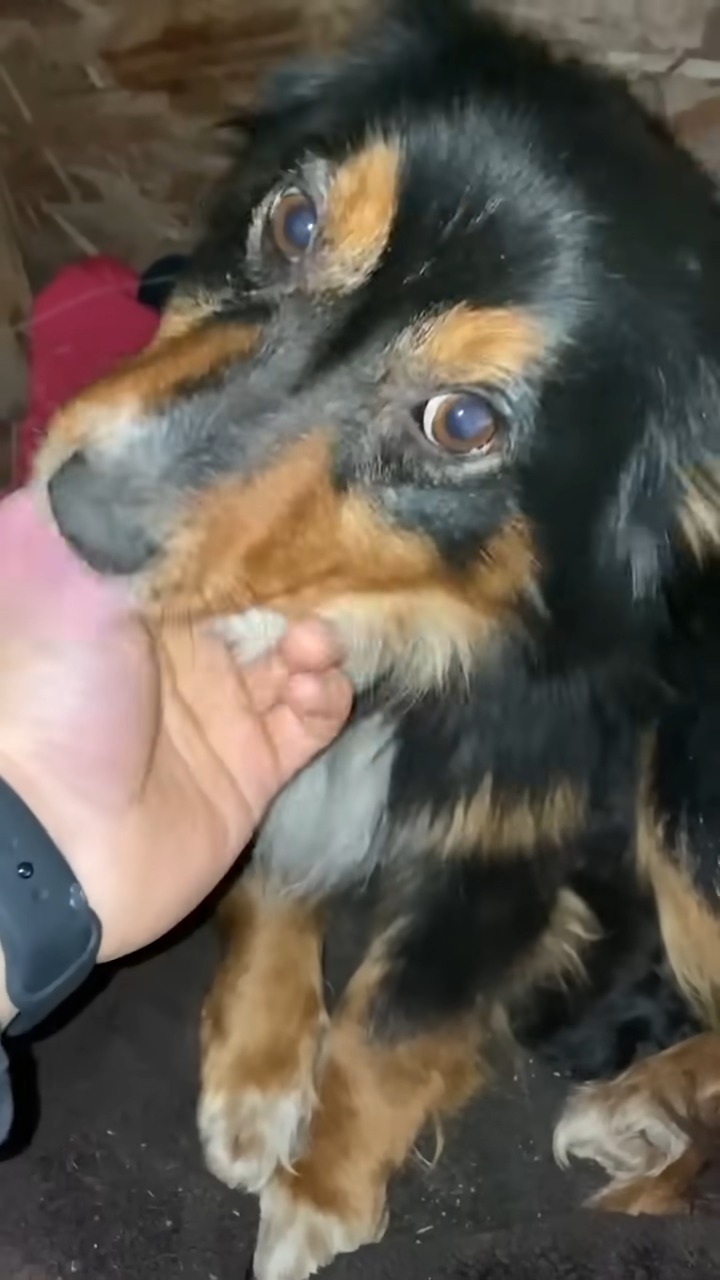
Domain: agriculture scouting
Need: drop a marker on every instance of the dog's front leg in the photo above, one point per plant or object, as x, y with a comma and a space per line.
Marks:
378, 1091
262, 1031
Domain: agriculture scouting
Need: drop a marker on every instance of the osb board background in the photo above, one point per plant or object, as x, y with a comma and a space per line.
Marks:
107, 108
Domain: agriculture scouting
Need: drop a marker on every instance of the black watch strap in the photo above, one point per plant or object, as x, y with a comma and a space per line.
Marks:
6, 1096
49, 935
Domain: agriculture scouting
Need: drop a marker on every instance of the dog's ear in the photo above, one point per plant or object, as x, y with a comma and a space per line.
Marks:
291, 89
669, 504
382, 30
430, 16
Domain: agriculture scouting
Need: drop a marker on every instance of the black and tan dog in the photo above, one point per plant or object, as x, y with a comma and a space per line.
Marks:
445, 369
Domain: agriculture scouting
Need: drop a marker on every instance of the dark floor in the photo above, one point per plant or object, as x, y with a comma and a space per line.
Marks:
112, 1183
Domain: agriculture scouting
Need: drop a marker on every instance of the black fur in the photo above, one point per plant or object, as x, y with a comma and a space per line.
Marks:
532, 182
628, 1004
467, 922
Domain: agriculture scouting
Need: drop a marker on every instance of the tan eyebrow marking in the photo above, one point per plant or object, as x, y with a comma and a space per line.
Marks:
361, 207
476, 343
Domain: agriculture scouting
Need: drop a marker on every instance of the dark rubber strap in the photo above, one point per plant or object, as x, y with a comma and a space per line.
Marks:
49, 935
6, 1097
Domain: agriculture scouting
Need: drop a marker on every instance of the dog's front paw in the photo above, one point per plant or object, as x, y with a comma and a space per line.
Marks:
298, 1235
258, 1083
622, 1126
247, 1134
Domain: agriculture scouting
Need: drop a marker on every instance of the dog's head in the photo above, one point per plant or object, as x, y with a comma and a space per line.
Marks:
443, 362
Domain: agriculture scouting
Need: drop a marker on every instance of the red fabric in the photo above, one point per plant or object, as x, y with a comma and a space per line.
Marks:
84, 323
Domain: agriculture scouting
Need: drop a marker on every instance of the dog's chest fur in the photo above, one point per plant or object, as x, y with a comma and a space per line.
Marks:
325, 830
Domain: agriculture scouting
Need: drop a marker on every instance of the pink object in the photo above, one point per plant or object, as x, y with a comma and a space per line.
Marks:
82, 325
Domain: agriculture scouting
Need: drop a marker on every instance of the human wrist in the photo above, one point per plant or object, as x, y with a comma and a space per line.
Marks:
49, 933
7, 1008
77, 838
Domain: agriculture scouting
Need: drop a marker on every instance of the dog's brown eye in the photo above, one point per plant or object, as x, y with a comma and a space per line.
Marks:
459, 423
293, 223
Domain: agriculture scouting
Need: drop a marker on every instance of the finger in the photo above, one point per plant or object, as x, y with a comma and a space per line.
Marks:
298, 734
207, 670
324, 695
265, 681
327, 695
311, 644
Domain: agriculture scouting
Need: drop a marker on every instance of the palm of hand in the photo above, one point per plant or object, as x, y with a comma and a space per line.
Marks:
150, 761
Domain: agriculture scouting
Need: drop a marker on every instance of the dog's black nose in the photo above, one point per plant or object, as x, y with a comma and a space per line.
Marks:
96, 515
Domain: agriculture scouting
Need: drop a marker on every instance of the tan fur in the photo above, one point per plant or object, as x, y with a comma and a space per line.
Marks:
699, 511
361, 206
183, 315
374, 1100
143, 385
283, 538
478, 344
370, 1096
558, 957
425, 630
324, 1191
278, 941
691, 932
493, 824
651, 1129
287, 540
376, 1096
261, 1033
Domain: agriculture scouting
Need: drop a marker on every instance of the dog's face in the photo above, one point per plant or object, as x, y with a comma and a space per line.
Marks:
415, 378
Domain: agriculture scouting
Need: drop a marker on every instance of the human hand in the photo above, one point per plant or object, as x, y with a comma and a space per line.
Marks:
149, 761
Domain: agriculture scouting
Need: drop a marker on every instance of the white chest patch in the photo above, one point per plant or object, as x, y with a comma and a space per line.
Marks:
324, 831
251, 634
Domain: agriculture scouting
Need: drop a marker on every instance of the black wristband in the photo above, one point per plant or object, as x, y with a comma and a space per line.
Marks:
6, 1097
49, 935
